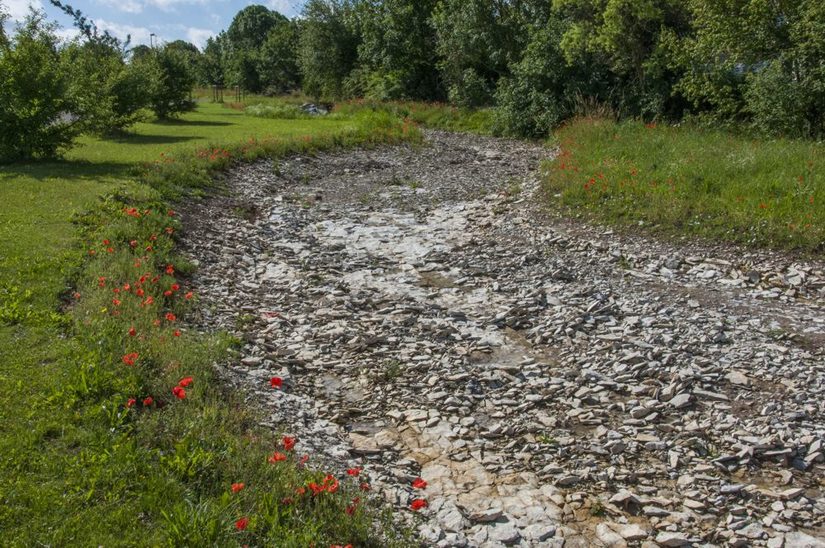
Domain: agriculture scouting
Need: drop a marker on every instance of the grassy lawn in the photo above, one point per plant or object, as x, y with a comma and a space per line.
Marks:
689, 181
89, 329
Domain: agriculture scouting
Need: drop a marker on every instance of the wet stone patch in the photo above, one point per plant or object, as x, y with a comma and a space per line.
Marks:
554, 383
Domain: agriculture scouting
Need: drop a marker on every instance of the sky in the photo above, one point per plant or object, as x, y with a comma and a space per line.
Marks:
190, 20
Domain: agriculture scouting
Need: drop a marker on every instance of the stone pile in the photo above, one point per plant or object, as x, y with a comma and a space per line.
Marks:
555, 383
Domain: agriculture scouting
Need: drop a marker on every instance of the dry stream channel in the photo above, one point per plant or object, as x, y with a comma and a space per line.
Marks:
555, 383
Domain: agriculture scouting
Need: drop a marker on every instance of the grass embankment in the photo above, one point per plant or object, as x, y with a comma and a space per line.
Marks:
113, 429
695, 182
433, 115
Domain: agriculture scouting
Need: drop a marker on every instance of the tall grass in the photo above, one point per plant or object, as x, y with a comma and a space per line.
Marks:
686, 180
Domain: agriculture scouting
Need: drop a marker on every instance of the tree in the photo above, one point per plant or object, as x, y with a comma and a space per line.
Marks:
397, 53
278, 59
170, 79
328, 46
212, 63
35, 107
250, 27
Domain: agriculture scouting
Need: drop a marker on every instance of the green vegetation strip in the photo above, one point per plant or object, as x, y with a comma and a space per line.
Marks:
689, 181
115, 429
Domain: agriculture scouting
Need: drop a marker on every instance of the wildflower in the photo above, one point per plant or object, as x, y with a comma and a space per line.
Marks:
354, 471
106, 242
300, 491
237, 487
167, 293
110, 250
331, 484
171, 213
277, 457
130, 358
133, 244
175, 287
130, 402
419, 483
170, 269
149, 248
289, 443
170, 317
76, 296
153, 238
176, 333
169, 230
149, 300
418, 504
186, 381
127, 287
101, 282
140, 292
364, 486
179, 392
189, 295
156, 323
148, 400
241, 524
132, 331
276, 382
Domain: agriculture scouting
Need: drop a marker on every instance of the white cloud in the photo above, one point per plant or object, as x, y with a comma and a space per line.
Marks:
127, 6
198, 36
140, 35
19, 9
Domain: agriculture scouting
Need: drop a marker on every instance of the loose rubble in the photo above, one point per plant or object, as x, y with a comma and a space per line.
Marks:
556, 384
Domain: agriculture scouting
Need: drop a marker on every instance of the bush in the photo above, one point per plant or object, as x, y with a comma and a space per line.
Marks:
170, 82
276, 112
36, 111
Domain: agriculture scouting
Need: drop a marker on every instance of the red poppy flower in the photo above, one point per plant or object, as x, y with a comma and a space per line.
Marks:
354, 471
303, 460
237, 487
419, 483
116, 302
116, 290
167, 293
147, 401
133, 243
171, 213
139, 292
153, 238
127, 287
149, 300
176, 333
179, 392
130, 402
169, 230
364, 486
276, 382
242, 524
300, 491
175, 287
76, 296
106, 242
110, 250
130, 358
148, 248
101, 281
277, 457
289, 443
189, 295
315, 488
170, 269
155, 279
132, 332
418, 504
170, 317
186, 381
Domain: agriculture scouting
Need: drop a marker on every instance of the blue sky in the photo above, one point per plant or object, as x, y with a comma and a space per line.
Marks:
190, 20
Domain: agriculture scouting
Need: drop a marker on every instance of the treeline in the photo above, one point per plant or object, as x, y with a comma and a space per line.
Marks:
756, 64
752, 63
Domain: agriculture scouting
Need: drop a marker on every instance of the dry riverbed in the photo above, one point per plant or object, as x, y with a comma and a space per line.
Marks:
554, 383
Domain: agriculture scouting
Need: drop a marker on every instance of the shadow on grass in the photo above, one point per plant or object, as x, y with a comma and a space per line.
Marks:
63, 169
191, 123
139, 139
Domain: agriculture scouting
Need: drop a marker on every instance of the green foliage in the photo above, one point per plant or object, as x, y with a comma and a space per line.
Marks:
278, 59
109, 94
687, 180
170, 81
397, 51
328, 47
35, 104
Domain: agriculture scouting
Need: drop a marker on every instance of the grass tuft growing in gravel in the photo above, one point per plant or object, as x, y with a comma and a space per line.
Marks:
685, 180
115, 429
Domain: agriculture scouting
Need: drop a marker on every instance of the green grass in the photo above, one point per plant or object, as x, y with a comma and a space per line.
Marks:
77, 465
433, 115
691, 181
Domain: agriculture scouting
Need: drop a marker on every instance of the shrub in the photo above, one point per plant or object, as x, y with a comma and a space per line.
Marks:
170, 82
36, 110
